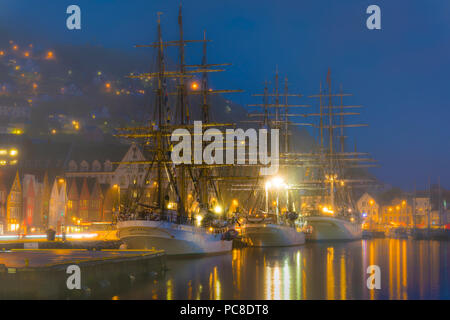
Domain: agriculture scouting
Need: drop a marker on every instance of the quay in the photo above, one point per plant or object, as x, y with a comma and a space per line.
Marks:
42, 274
69, 244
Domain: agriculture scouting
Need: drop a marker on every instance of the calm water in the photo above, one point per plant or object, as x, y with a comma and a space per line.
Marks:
409, 270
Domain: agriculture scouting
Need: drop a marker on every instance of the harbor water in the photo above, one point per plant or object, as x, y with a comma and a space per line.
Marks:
410, 269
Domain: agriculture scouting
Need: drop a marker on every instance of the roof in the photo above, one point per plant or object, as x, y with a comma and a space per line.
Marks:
100, 152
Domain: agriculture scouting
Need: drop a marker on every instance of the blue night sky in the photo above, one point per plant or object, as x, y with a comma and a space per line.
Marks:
400, 73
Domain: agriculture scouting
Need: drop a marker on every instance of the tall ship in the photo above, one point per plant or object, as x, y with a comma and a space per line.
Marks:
332, 173
275, 224
174, 207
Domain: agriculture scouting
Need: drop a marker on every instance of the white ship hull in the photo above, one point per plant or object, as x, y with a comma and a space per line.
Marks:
329, 228
271, 235
174, 239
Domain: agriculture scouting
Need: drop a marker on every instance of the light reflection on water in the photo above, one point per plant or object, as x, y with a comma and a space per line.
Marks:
409, 270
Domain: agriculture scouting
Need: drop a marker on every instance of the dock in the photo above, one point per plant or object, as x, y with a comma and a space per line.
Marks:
43, 273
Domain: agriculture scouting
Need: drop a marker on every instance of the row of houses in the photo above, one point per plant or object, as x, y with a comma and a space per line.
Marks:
421, 210
79, 184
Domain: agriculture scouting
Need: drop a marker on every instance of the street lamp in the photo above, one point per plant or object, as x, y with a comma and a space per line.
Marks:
268, 186
277, 183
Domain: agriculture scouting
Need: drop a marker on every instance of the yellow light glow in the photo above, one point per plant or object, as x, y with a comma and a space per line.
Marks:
211, 229
199, 219
218, 209
235, 202
3, 152
277, 182
13, 152
50, 55
194, 85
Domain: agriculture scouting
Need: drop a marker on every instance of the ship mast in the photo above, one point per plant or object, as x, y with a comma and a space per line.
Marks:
176, 175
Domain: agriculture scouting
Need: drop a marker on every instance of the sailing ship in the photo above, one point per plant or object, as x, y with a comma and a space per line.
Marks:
333, 216
182, 221
276, 228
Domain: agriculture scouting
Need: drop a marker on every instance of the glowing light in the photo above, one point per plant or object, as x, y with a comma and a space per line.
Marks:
35, 85
327, 210
15, 47
61, 180
53, 131
3, 152
26, 54
13, 152
108, 85
194, 85
235, 202
50, 55
371, 202
268, 185
277, 182
211, 229
218, 209
2, 53
199, 219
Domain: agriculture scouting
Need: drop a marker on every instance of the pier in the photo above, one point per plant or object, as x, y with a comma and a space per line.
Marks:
42, 274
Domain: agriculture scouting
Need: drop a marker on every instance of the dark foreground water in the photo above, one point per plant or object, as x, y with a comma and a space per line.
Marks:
409, 270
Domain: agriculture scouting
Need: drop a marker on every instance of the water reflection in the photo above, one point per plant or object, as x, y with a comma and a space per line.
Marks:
409, 270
